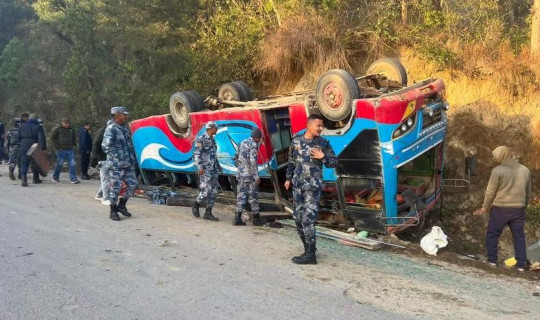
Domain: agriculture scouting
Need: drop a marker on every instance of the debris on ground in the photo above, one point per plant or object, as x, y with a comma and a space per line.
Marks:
275, 224
162, 243
433, 241
510, 262
342, 237
362, 234
160, 195
467, 257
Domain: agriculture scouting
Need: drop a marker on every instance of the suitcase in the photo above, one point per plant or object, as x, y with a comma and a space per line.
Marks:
39, 159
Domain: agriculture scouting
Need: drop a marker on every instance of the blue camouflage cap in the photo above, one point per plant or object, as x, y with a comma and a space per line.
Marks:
210, 125
256, 133
119, 109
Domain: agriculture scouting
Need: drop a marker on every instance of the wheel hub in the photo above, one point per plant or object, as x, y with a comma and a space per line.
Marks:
333, 96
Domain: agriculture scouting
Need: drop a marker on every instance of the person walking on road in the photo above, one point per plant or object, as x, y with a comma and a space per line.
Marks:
2, 139
307, 154
205, 156
14, 146
248, 179
507, 195
99, 160
63, 139
30, 132
85, 148
121, 161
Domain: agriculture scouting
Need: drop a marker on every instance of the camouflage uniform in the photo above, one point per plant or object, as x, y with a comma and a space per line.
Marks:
205, 156
120, 160
14, 146
305, 174
247, 176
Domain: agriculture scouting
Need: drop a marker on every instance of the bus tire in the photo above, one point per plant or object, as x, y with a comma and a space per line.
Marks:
335, 92
235, 91
181, 104
390, 68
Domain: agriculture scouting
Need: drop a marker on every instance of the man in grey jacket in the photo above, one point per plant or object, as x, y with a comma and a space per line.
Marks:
507, 195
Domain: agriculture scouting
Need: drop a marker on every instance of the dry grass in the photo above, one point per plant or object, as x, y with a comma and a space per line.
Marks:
304, 45
498, 90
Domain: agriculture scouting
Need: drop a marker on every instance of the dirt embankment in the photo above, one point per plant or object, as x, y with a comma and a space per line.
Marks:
484, 114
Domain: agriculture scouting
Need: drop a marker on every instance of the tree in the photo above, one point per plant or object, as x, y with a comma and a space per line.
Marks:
14, 14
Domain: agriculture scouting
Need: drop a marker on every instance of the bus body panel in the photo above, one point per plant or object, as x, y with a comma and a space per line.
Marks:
372, 152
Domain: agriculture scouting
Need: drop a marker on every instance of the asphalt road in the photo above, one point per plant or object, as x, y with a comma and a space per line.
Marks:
62, 258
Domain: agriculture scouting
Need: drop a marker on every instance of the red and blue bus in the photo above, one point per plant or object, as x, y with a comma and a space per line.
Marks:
388, 139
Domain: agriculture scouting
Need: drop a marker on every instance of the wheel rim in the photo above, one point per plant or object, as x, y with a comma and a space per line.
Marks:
333, 96
180, 110
228, 96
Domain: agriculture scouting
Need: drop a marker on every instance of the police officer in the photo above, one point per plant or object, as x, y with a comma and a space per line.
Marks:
14, 146
307, 153
248, 179
120, 160
205, 156
30, 132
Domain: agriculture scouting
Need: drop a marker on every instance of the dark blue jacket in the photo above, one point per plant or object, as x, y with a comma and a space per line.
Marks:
1, 132
85, 141
30, 133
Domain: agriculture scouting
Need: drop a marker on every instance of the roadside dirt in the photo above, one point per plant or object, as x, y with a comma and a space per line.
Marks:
407, 282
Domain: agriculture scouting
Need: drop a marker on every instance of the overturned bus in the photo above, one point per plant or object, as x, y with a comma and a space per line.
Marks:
388, 138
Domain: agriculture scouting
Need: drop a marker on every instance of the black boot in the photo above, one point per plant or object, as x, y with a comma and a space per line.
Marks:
305, 244
257, 220
114, 212
11, 175
208, 215
305, 248
307, 258
122, 207
195, 209
24, 183
36, 179
237, 221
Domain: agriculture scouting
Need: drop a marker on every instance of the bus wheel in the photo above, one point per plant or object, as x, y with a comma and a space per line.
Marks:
182, 104
336, 90
390, 68
235, 91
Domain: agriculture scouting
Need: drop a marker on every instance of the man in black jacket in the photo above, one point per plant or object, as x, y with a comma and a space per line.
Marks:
29, 133
63, 138
85, 147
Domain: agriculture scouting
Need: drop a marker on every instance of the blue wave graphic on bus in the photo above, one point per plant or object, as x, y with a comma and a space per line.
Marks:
161, 154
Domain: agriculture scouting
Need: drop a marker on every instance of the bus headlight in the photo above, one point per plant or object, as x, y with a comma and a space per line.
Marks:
405, 126
445, 106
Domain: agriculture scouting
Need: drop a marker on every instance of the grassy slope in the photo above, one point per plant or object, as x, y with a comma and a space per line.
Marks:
485, 112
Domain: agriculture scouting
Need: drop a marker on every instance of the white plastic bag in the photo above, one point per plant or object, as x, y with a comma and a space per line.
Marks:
433, 241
